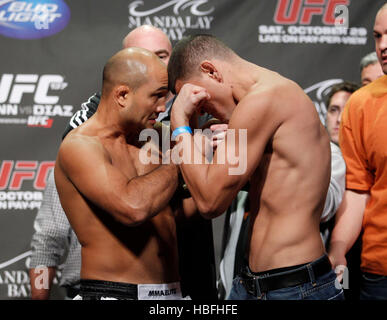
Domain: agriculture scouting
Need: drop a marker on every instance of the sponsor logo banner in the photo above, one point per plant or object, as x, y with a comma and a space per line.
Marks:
33, 19
15, 89
174, 17
312, 22
15, 283
14, 277
14, 177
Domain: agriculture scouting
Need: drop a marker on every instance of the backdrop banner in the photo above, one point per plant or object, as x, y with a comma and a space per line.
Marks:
53, 52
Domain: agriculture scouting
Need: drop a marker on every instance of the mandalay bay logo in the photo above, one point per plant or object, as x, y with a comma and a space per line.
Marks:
174, 17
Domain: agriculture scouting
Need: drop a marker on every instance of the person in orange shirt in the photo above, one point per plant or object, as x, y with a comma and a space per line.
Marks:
363, 136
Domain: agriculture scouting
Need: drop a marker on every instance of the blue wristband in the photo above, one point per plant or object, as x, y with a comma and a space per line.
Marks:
181, 130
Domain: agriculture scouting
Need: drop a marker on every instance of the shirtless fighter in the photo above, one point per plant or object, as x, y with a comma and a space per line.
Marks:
287, 165
117, 206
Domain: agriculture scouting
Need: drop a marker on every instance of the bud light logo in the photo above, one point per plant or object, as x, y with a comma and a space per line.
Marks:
33, 19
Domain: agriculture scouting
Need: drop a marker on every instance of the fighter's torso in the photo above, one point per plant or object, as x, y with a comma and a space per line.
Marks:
288, 190
112, 251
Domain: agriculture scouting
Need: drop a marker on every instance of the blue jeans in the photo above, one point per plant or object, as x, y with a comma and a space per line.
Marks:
373, 287
324, 287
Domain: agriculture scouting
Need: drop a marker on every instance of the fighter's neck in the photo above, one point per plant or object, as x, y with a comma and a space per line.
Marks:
109, 126
244, 75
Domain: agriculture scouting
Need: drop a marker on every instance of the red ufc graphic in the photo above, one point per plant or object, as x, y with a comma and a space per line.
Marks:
12, 174
302, 11
39, 121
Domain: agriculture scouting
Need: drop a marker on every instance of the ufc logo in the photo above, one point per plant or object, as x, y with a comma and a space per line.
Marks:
302, 11
39, 121
13, 88
13, 174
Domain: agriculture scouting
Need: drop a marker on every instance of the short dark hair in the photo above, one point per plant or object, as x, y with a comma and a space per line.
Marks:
347, 86
189, 52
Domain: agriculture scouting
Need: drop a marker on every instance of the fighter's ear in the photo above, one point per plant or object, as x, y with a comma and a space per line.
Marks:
210, 70
121, 95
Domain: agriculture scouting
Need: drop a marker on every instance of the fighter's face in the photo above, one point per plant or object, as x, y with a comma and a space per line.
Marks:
149, 99
335, 110
380, 36
371, 73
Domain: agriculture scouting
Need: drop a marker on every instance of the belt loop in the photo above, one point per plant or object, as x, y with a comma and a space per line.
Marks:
255, 281
311, 274
258, 292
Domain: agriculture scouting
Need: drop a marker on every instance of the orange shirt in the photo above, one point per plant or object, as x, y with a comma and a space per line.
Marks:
363, 142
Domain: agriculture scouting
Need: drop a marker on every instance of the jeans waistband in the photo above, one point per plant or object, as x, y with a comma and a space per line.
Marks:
276, 271
95, 289
71, 292
293, 276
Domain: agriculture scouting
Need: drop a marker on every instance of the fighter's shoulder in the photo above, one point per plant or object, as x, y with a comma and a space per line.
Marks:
269, 97
274, 89
77, 145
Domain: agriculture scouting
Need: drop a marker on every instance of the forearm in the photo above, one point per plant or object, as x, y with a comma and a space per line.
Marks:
150, 193
41, 282
195, 169
336, 186
348, 222
332, 201
207, 177
210, 184
192, 162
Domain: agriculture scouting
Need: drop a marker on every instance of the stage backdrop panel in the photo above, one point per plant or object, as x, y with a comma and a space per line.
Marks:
53, 52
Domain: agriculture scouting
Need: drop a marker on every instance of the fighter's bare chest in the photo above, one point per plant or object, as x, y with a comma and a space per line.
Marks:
127, 159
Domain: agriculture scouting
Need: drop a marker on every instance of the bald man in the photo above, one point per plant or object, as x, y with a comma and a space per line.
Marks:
195, 240
145, 36
151, 38
53, 236
118, 206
